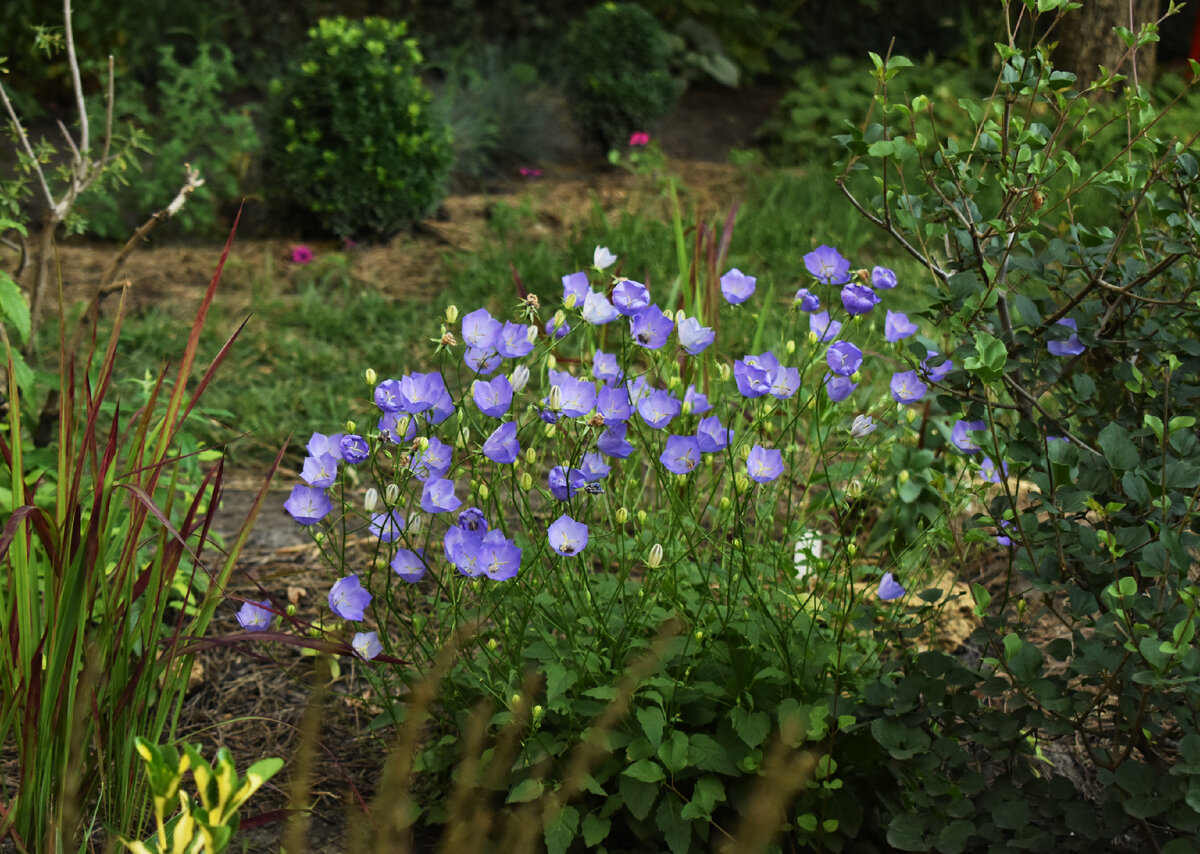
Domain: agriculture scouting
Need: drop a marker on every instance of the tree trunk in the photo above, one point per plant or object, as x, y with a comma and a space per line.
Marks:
1086, 41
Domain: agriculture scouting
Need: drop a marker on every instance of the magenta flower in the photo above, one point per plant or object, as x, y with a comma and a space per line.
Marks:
843, 358
530, 172
827, 265
960, 435
897, 326
301, 254
366, 645
438, 496
348, 598
681, 454
650, 327
255, 616
907, 387
639, 138
568, 537
736, 286
307, 504
408, 565
764, 464
890, 588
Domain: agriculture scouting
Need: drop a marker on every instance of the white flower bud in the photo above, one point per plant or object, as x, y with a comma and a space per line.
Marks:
451, 314
414, 523
518, 378
463, 437
622, 515
655, 558
371, 500
555, 402
371, 376
484, 492
641, 517
531, 334
723, 371
391, 493
551, 362
854, 489
530, 456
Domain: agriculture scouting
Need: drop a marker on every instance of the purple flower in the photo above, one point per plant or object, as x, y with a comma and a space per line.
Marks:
367, 645
693, 337
307, 504
736, 286
695, 402
557, 331
319, 444
1003, 539
937, 372
575, 284
859, 299
502, 446
499, 557
712, 435
824, 328
907, 387
482, 362
320, 471
650, 328
1072, 346
630, 297
461, 547
480, 330
785, 384
432, 462
443, 406
960, 435
764, 464
564, 483
890, 588
638, 388
578, 395
839, 388
354, 449
883, 279
390, 426
658, 408
408, 565
438, 496
606, 369
613, 403
755, 375
301, 254
387, 396
568, 537
493, 397
843, 358
348, 598
387, 526
255, 616
897, 326
513, 342
987, 470
612, 441
681, 454
827, 265
597, 310
594, 467
472, 519
420, 392
807, 300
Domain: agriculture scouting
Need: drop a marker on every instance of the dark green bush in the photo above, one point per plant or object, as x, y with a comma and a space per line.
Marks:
616, 71
352, 137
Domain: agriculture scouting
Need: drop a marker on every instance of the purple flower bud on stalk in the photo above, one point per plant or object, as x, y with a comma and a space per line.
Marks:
308, 504
348, 598
556, 330
890, 588
806, 300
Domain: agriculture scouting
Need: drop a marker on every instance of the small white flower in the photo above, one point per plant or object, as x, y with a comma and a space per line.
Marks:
864, 425
518, 378
602, 258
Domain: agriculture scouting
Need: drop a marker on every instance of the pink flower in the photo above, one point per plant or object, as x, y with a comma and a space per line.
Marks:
301, 254
639, 138
530, 172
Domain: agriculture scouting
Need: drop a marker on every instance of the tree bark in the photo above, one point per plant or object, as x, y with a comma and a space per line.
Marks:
1086, 41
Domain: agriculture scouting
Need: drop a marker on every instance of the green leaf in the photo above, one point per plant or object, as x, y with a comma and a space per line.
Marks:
676, 829
1120, 452
751, 727
12, 306
952, 839
674, 752
646, 770
561, 830
638, 796
1012, 815
595, 829
652, 722
705, 753
906, 832
526, 790
990, 357
982, 599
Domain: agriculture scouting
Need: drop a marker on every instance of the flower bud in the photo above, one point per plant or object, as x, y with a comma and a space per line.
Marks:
622, 515
350, 425
736, 542
699, 635
569, 302
680, 316
854, 489
484, 492
371, 500
422, 443
744, 452
530, 456
531, 334
319, 536
516, 700
654, 559
290, 610
674, 382
414, 523
451, 313
371, 376
391, 493
492, 644
555, 401
725, 502
551, 362
813, 338
536, 713
790, 346
910, 415
518, 378
723, 371
904, 476
851, 549
741, 482
560, 317
463, 437
526, 481
641, 517
548, 430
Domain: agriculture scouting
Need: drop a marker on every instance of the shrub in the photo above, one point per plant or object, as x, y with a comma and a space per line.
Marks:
352, 138
617, 80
